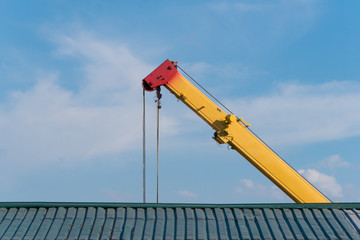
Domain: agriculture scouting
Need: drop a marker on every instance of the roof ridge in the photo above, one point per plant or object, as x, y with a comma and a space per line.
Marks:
177, 205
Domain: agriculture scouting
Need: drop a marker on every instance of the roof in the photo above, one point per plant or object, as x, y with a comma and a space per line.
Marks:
179, 221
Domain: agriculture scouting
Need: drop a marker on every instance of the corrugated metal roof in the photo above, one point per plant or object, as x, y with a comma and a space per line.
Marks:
178, 221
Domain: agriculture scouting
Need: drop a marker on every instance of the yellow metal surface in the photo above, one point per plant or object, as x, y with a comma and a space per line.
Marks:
232, 130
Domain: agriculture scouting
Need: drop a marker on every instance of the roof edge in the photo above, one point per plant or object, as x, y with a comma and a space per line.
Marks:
176, 205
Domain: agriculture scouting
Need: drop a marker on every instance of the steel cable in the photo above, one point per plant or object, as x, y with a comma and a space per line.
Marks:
205, 90
144, 150
157, 146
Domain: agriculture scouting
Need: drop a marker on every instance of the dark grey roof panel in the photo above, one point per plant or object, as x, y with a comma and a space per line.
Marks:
176, 222
353, 216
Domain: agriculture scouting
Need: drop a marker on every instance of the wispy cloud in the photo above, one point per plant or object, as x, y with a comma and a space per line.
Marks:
187, 194
48, 123
303, 114
276, 20
113, 195
327, 184
261, 191
225, 6
307, 7
112, 72
333, 161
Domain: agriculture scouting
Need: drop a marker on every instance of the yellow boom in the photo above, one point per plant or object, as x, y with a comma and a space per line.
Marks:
233, 131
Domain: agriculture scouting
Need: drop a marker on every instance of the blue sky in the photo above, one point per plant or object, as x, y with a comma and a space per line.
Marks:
70, 97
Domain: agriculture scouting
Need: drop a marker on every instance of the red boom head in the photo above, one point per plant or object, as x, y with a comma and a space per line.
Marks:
160, 76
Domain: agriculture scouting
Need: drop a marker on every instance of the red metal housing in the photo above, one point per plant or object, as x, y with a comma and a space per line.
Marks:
160, 76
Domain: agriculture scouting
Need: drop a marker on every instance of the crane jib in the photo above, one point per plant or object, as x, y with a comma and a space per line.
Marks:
233, 131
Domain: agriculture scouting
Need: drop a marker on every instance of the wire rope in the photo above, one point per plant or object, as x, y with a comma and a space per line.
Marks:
157, 145
205, 90
144, 150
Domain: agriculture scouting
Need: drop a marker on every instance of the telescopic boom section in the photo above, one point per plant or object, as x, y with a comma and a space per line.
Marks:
232, 130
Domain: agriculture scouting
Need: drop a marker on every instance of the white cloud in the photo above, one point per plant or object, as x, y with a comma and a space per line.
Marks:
112, 71
326, 184
187, 194
113, 195
276, 7
199, 67
206, 71
248, 183
226, 6
276, 19
302, 114
333, 161
48, 123
260, 191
